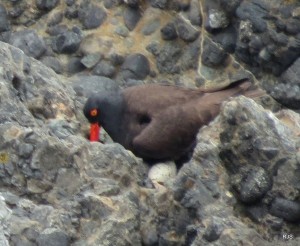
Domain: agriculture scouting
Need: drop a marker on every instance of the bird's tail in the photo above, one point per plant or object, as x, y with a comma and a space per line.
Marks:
241, 87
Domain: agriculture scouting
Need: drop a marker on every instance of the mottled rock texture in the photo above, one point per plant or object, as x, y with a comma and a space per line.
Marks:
241, 185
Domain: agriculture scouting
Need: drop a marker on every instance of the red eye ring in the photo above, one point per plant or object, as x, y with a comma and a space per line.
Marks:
94, 112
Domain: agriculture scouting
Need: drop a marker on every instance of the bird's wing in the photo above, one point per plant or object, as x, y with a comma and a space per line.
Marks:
149, 99
169, 134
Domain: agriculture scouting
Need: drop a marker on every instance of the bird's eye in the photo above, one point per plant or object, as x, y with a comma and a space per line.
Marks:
94, 112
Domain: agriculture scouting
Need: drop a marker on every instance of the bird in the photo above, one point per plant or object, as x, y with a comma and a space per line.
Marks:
159, 122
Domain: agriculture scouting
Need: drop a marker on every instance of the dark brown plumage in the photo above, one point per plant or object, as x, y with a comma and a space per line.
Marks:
157, 121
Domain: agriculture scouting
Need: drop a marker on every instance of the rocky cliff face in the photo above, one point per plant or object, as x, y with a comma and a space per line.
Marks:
56, 188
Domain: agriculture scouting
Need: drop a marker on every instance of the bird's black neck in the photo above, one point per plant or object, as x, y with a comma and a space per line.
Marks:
112, 116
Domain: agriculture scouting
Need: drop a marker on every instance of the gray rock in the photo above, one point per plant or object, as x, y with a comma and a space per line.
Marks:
46, 5
55, 19
131, 17
288, 210
5, 36
212, 55
4, 21
57, 30
213, 231
253, 179
217, 19
136, 66
87, 85
71, 12
162, 4
111, 3
168, 32
90, 60
288, 93
53, 237
227, 39
256, 12
75, 66
61, 128
104, 68
29, 42
70, 2
67, 42
151, 27
53, 63
132, 3
16, 11
187, 32
293, 26
194, 14
91, 16
167, 58
251, 184
122, 31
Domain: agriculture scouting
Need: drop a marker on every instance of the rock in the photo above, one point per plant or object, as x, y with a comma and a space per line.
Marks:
70, 2
251, 184
75, 66
167, 58
116, 59
86, 85
90, 60
67, 42
61, 128
293, 26
256, 12
52, 237
91, 16
213, 231
288, 93
132, 3
187, 32
212, 55
227, 39
60, 188
55, 19
111, 3
264, 178
162, 4
195, 14
29, 42
135, 66
104, 68
286, 209
122, 31
57, 29
53, 63
46, 5
151, 27
217, 19
168, 32
131, 17
4, 21
71, 12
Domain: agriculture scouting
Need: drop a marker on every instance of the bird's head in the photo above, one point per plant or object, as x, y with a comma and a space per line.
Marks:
102, 109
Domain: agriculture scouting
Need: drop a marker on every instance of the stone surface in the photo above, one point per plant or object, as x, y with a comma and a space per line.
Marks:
29, 42
59, 189
131, 17
67, 42
46, 5
135, 66
4, 21
91, 16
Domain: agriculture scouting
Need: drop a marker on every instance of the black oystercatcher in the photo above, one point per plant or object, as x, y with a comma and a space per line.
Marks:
158, 122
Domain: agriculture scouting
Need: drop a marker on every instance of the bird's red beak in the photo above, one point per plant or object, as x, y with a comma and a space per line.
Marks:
94, 132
